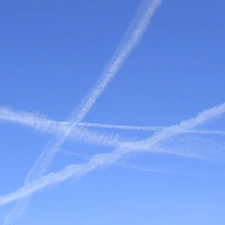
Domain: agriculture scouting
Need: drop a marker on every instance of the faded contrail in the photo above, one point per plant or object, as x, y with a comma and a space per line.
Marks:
132, 37
146, 169
109, 158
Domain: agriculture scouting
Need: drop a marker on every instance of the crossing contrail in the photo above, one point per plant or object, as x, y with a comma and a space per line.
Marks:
131, 39
109, 158
43, 124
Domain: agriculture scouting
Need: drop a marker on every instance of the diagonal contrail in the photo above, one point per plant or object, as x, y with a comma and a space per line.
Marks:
129, 42
109, 158
41, 123
132, 37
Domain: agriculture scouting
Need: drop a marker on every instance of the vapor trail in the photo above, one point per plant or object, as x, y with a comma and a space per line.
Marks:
43, 124
129, 42
132, 37
109, 158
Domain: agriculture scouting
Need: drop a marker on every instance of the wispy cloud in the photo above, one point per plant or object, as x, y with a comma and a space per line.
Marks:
109, 158
131, 39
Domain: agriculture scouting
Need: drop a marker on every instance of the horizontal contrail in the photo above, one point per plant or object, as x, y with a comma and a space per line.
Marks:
42, 123
122, 127
109, 158
132, 37
46, 125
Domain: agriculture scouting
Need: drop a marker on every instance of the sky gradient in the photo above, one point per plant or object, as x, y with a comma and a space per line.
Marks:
151, 168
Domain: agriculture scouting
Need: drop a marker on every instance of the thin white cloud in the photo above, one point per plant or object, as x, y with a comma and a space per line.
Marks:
178, 129
122, 127
132, 37
129, 42
109, 158
43, 124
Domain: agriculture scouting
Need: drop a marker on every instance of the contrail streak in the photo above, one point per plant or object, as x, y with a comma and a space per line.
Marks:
132, 37
46, 125
129, 42
42, 123
109, 158
122, 127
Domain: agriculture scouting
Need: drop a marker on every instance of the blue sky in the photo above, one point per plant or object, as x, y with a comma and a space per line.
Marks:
52, 54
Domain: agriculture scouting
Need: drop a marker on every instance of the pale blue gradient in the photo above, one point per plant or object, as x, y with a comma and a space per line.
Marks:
52, 53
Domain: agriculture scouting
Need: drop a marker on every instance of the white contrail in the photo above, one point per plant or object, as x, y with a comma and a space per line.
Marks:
129, 42
42, 123
178, 129
132, 38
109, 158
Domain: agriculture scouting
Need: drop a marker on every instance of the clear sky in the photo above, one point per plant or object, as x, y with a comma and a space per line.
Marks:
52, 54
